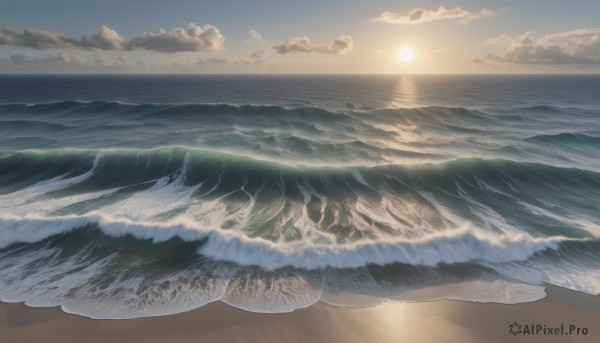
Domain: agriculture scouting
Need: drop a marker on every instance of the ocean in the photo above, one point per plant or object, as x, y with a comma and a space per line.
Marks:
134, 196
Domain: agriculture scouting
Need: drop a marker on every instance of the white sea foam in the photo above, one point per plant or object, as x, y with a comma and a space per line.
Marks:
578, 276
582, 223
103, 288
452, 246
266, 292
498, 291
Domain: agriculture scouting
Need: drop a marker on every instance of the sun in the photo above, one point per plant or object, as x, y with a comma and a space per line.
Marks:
406, 55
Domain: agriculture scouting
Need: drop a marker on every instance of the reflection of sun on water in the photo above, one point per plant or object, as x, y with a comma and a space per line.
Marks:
405, 93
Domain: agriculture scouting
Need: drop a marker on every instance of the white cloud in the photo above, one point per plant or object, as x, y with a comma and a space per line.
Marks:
419, 15
303, 45
35, 39
191, 38
106, 39
581, 46
255, 35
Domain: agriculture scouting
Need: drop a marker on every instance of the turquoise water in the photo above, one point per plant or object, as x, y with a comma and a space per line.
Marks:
123, 197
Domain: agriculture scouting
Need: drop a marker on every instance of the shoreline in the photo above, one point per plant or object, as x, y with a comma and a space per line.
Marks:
442, 320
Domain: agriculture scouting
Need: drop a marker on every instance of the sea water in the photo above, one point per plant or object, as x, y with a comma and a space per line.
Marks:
132, 196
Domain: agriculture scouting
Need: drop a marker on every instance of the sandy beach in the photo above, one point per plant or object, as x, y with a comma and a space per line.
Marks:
448, 321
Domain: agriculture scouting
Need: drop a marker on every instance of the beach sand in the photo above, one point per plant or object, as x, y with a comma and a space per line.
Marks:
438, 321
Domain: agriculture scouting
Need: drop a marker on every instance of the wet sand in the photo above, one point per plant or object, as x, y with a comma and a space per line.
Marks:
438, 321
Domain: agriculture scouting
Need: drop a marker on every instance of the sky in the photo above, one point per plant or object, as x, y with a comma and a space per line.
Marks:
299, 37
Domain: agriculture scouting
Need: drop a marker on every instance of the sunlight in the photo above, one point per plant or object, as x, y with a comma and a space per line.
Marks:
406, 55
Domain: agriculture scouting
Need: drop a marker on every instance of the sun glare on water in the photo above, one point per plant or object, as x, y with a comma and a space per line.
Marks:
406, 55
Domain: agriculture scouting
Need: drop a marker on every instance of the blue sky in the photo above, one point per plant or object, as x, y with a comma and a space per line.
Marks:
299, 37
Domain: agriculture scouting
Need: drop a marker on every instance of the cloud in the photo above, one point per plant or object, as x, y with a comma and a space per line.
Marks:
191, 38
303, 45
419, 16
255, 35
581, 46
35, 39
261, 55
106, 39
215, 61
60, 59
28, 62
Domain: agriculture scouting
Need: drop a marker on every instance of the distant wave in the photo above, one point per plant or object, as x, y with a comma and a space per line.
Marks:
542, 108
143, 165
180, 110
578, 138
304, 135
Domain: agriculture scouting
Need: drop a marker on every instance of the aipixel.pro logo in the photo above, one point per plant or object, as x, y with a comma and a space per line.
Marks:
516, 329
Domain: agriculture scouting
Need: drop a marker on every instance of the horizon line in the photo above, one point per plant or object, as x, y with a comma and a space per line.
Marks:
297, 74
